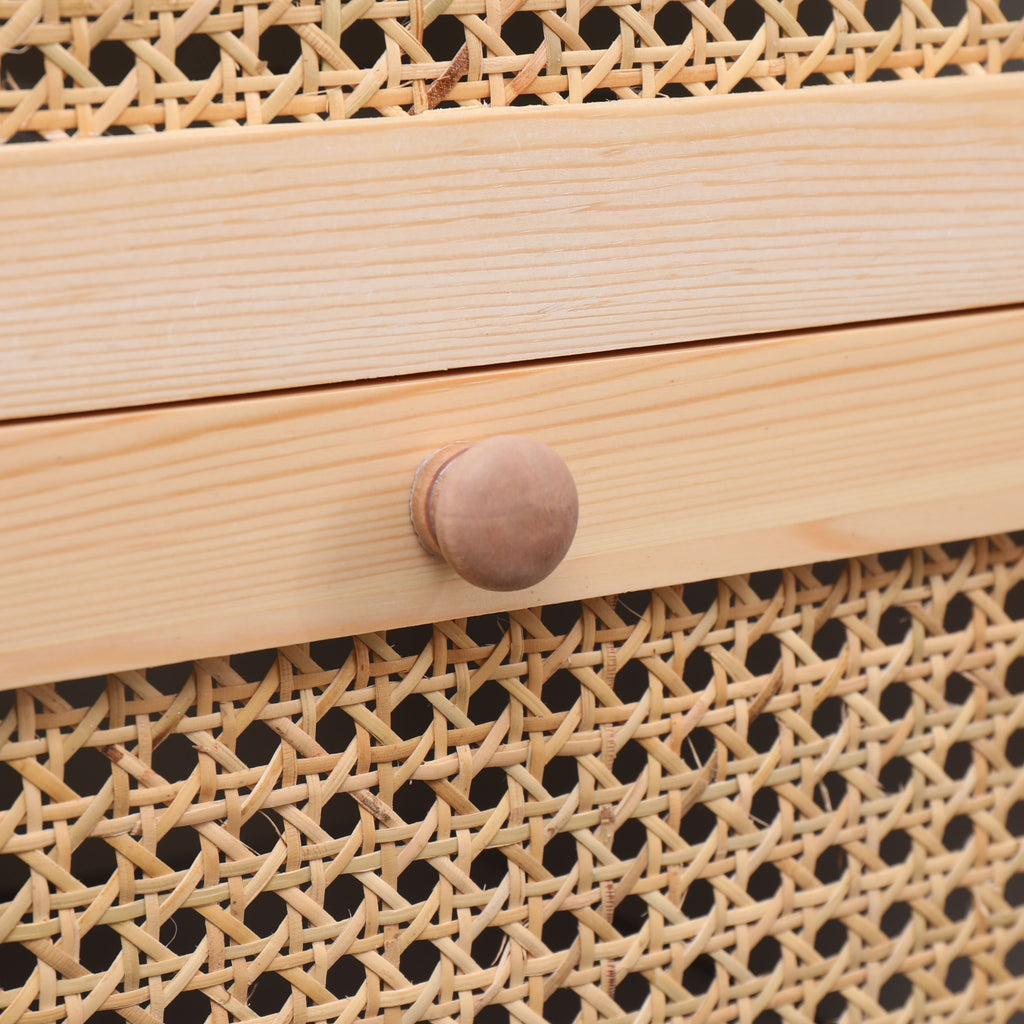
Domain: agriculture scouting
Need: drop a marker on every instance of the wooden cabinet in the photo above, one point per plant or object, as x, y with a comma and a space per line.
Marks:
763, 330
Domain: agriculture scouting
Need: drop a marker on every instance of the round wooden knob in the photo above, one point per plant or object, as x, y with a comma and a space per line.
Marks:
502, 512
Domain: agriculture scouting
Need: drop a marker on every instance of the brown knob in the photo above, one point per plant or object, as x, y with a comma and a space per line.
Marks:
502, 512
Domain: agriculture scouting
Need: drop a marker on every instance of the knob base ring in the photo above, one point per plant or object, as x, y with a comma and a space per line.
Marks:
421, 498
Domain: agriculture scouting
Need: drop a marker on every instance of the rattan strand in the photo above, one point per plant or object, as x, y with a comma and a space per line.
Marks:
789, 796
87, 67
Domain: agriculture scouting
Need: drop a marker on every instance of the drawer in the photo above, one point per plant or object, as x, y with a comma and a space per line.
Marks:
288, 514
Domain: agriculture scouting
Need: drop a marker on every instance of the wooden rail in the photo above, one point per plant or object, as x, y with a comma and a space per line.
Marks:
204, 263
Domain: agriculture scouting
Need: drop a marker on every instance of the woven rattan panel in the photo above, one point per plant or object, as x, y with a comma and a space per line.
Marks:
792, 795
93, 66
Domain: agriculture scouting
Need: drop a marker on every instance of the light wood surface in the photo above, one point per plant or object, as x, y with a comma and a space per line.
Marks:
148, 536
202, 263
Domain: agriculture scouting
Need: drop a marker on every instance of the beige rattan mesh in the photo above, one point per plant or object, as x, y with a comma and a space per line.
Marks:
791, 796
91, 66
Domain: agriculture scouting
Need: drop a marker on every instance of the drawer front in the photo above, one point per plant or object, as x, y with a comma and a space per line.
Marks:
151, 536
793, 793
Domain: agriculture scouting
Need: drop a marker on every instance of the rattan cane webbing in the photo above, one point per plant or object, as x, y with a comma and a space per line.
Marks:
93, 66
794, 795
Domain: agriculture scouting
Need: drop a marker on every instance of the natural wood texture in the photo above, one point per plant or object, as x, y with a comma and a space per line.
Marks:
197, 264
146, 536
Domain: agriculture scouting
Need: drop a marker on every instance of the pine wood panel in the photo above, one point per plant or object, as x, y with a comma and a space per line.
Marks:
204, 263
154, 535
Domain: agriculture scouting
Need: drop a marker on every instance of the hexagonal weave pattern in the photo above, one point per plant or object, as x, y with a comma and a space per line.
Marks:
90, 67
794, 795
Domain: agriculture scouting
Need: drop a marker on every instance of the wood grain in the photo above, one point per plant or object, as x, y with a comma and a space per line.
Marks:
196, 264
149, 536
